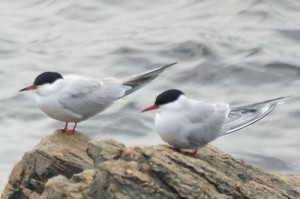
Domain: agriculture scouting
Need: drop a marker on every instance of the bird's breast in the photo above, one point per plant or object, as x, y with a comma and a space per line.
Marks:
172, 129
51, 106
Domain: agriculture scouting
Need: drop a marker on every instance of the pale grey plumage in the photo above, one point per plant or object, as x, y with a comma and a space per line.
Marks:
88, 96
74, 98
189, 124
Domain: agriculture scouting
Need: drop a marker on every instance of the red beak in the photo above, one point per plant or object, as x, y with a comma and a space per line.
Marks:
29, 88
150, 108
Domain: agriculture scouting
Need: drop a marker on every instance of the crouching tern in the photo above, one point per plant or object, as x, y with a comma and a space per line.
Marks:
190, 124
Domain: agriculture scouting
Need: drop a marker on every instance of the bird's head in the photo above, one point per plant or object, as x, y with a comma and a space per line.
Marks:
43, 79
165, 98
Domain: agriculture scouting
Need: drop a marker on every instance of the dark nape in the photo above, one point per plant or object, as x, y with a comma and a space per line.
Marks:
168, 96
47, 78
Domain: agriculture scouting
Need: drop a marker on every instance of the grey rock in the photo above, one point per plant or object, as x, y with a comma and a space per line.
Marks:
58, 154
75, 166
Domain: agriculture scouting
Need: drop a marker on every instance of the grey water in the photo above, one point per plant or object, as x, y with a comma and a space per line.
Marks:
235, 51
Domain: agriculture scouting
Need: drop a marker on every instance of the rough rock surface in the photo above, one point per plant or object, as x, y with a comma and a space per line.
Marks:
76, 167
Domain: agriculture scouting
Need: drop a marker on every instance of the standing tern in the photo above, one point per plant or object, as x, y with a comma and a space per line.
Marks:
189, 124
74, 98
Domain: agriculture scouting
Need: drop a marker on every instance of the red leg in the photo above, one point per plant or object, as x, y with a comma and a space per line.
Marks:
74, 127
69, 131
65, 128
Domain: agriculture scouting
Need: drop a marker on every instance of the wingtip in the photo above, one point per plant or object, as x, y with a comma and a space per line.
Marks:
171, 64
137, 81
285, 97
280, 100
160, 69
167, 66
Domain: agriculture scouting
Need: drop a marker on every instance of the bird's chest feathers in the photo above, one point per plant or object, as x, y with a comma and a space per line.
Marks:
171, 127
50, 105
47, 96
169, 122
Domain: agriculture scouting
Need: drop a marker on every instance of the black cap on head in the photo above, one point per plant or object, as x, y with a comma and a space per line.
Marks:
168, 96
47, 78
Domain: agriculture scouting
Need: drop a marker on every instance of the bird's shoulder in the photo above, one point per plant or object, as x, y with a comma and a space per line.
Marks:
201, 111
79, 85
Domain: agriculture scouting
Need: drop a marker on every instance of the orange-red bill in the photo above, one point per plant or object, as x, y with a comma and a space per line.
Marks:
29, 88
150, 108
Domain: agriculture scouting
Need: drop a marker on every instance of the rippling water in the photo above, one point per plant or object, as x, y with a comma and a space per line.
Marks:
236, 51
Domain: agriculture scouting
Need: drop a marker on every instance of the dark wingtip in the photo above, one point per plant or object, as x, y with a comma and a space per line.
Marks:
168, 65
137, 81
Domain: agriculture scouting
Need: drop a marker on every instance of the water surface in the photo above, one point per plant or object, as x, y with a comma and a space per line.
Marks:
236, 51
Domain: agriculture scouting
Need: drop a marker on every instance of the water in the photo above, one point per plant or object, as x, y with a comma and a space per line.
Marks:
233, 51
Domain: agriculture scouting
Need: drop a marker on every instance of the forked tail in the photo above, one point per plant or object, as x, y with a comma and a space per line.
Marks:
243, 116
138, 81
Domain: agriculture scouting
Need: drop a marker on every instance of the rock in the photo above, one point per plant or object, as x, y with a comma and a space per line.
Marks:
58, 154
75, 166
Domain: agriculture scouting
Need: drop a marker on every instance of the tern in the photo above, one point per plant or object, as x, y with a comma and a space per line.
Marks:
74, 98
186, 123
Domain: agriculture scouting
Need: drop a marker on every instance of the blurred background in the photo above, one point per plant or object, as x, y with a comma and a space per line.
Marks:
235, 51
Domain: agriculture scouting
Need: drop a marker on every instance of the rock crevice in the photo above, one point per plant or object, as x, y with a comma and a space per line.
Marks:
76, 166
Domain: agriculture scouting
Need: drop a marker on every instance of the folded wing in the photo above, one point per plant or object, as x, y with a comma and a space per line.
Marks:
243, 116
87, 96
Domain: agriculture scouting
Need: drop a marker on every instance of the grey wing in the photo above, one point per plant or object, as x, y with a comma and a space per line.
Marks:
138, 81
243, 116
87, 97
206, 123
